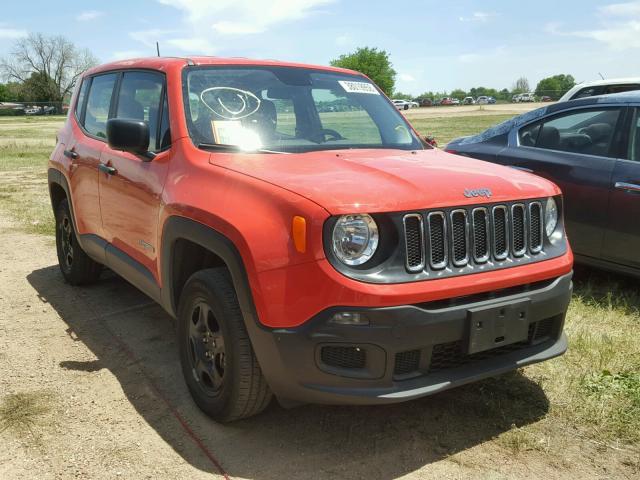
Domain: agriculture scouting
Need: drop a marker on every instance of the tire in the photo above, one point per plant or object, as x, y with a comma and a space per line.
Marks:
218, 361
406, 107
76, 266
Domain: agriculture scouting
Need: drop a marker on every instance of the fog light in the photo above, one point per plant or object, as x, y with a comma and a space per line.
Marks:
349, 318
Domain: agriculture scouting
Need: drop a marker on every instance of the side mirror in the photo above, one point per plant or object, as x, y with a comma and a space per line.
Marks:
129, 136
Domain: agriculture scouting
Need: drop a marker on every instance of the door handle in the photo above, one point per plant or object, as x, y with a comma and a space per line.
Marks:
107, 169
628, 187
70, 154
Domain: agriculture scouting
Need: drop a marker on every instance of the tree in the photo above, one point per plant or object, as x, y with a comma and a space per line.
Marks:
402, 96
373, 63
4, 93
555, 86
458, 93
521, 86
56, 62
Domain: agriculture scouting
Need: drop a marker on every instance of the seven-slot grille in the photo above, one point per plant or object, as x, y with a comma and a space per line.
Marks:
475, 234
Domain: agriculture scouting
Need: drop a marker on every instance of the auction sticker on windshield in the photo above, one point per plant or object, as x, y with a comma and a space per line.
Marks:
358, 87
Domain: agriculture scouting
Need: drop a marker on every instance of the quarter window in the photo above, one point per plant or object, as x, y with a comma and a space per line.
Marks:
82, 96
588, 132
140, 99
98, 104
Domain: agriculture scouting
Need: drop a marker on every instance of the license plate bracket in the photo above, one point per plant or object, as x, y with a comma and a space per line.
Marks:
498, 325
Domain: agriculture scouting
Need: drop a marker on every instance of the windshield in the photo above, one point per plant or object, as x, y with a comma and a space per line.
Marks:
284, 109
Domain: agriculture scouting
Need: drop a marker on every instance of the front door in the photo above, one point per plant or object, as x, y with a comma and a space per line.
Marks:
131, 185
622, 239
573, 149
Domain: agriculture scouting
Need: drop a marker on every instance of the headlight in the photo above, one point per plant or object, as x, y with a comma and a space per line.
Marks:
550, 216
355, 239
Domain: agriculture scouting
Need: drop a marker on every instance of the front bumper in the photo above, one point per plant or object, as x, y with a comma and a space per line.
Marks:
408, 351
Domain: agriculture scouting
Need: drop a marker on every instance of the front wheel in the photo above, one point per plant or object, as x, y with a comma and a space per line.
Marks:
76, 266
218, 362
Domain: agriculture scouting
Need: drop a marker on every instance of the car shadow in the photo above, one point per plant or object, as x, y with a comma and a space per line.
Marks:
134, 339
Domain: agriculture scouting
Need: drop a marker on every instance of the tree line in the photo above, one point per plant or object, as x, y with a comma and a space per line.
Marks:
376, 64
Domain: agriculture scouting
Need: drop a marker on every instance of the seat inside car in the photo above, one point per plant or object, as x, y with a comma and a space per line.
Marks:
600, 135
549, 137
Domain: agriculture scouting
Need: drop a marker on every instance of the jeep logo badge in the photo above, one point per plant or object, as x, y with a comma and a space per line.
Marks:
478, 192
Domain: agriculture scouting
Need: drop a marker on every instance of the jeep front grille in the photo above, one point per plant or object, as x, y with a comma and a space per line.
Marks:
476, 235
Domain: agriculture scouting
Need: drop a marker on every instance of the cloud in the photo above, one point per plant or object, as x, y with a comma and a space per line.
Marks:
484, 56
478, 17
204, 19
406, 77
236, 28
192, 44
619, 29
621, 9
123, 54
89, 15
11, 33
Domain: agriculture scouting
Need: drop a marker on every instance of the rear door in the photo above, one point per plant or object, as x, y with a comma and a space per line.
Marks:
622, 238
131, 185
84, 152
574, 150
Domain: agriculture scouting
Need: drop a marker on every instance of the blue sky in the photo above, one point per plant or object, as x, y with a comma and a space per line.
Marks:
434, 45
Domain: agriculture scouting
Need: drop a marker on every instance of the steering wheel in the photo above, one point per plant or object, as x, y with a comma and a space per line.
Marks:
321, 135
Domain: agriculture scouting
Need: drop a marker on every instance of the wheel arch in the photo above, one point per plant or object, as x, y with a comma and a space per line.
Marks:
188, 246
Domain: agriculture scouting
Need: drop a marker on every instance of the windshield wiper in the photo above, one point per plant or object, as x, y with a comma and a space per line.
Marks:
234, 148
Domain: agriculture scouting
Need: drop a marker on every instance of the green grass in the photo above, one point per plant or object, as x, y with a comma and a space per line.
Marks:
445, 129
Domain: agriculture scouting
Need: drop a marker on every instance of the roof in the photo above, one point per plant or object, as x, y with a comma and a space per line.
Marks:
162, 63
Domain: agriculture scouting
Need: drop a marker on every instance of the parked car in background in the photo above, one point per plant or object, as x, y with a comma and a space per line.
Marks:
546, 98
426, 102
601, 87
468, 101
492, 100
482, 100
525, 97
401, 104
591, 149
445, 101
455, 101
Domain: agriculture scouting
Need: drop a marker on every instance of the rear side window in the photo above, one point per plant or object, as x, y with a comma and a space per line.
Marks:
588, 132
140, 98
82, 97
98, 104
588, 92
621, 88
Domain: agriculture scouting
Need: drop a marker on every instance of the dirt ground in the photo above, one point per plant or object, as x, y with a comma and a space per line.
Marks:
94, 376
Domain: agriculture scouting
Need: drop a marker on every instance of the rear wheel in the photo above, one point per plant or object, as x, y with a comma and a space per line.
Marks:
218, 362
76, 266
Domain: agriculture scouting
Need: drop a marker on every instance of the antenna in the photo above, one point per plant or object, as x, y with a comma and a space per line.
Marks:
158, 48
600, 75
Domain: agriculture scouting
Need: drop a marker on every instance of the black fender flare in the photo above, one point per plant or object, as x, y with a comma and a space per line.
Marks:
263, 339
182, 228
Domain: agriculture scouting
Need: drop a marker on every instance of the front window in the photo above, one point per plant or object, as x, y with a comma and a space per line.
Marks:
285, 109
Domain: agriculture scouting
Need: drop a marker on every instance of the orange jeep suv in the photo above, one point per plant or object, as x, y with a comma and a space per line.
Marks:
308, 242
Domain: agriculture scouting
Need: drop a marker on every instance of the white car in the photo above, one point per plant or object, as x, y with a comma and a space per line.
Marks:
482, 100
525, 97
601, 87
404, 104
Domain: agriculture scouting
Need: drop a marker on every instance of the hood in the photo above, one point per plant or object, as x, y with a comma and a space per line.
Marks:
359, 181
